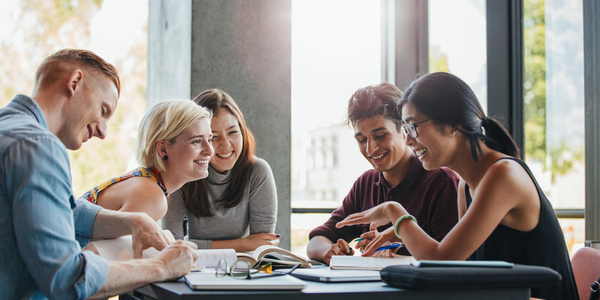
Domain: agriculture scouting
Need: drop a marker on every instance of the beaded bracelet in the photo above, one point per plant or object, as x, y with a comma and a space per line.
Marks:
400, 220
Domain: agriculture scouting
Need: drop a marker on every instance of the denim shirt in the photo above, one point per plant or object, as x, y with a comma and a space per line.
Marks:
42, 228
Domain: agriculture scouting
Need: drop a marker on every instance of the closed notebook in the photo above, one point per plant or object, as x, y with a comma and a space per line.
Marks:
208, 281
343, 262
328, 275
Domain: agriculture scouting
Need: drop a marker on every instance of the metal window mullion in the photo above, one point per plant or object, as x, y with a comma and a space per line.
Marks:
591, 53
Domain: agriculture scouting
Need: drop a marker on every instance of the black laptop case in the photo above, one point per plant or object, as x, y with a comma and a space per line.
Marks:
449, 278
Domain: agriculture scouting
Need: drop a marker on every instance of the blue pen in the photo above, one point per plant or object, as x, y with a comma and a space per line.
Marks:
391, 246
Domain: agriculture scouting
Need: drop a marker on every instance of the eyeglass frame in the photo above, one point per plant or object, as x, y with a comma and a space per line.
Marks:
228, 271
413, 126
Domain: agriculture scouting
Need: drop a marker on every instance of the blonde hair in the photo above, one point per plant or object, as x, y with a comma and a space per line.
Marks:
165, 121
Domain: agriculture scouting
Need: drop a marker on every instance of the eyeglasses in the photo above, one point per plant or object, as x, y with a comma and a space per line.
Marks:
242, 270
411, 128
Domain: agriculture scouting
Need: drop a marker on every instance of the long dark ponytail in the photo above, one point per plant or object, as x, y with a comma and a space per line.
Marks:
448, 100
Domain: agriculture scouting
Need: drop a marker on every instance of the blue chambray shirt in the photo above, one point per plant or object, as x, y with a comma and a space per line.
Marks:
42, 230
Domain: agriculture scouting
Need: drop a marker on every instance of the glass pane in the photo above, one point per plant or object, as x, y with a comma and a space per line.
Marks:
574, 232
335, 50
302, 224
553, 96
457, 42
30, 31
554, 105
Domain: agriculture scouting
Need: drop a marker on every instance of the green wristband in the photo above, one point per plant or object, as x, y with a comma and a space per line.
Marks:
400, 220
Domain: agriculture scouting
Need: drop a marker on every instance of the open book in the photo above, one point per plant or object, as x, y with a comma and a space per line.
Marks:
274, 255
343, 262
120, 249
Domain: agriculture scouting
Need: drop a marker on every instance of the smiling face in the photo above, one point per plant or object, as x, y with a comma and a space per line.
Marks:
88, 111
227, 141
382, 145
190, 154
432, 146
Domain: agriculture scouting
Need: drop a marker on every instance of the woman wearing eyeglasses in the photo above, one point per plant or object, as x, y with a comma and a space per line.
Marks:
503, 213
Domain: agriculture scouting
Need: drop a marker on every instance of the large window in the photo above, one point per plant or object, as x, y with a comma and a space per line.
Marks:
554, 105
32, 30
457, 42
335, 50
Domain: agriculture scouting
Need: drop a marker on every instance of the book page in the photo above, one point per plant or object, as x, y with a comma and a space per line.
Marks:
210, 257
280, 255
343, 262
275, 251
267, 249
120, 249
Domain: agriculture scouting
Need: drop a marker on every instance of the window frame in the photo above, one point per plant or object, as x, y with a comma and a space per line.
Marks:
504, 78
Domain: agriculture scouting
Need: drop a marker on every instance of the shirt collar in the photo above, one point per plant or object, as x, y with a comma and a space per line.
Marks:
28, 106
415, 170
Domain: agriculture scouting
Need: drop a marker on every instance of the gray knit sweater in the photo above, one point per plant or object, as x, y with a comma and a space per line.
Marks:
256, 213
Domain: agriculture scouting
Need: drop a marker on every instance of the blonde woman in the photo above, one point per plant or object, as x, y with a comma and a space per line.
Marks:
236, 205
174, 146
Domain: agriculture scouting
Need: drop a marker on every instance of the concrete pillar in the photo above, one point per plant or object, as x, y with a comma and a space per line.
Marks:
169, 50
242, 47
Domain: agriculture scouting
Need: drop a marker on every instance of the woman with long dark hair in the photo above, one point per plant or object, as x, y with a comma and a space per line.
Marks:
236, 205
503, 213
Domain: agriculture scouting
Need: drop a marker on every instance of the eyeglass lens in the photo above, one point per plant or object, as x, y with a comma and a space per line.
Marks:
409, 129
222, 268
241, 270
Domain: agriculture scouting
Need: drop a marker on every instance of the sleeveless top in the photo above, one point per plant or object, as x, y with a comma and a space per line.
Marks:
543, 246
152, 173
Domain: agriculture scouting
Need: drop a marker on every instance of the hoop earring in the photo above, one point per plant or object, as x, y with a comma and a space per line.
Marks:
166, 157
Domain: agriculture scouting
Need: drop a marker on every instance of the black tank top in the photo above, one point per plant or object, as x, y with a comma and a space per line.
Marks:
543, 246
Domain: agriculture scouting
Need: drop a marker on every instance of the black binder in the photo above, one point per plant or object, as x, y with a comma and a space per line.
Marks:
451, 278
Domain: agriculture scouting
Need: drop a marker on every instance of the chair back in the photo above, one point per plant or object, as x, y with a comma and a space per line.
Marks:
586, 268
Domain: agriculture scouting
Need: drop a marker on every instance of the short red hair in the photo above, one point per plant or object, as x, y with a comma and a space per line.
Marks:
84, 58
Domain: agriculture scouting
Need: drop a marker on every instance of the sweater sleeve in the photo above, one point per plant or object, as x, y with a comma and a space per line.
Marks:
262, 204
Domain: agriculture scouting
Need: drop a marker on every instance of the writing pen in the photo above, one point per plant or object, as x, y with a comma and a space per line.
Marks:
391, 246
359, 239
388, 247
186, 228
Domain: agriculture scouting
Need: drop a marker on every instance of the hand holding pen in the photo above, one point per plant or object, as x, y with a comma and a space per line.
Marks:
366, 238
375, 243
341, 247
379, 240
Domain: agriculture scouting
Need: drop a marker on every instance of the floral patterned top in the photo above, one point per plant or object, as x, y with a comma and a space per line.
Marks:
152, 173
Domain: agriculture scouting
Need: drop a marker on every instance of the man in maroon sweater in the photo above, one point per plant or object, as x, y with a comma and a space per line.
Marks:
397, 175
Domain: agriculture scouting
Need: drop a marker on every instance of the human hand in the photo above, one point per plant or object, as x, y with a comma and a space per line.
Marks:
379, 215
146, 233
178, 259
256, 240
339, 248
373, 239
